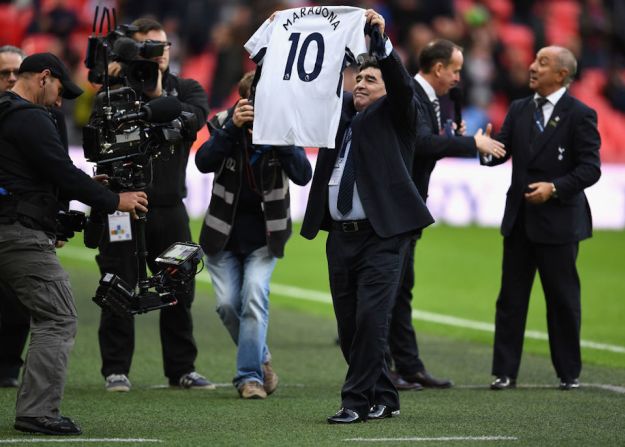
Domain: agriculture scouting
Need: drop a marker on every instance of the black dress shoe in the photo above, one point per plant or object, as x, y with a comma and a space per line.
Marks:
569, 384
382, 412
425, 379
8, 382
503, 383
403, 385
47, 425
345, 416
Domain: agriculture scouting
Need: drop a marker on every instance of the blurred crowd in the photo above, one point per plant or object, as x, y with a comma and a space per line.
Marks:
499, 37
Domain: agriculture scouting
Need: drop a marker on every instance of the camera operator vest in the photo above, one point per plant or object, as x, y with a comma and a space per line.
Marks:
35, 210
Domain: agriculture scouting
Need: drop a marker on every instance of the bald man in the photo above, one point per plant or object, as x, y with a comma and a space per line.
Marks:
553, 141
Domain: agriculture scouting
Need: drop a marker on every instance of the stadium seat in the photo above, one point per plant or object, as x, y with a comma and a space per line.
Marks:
201, 68
13, 23
520, 37
41, 42
561, 21
497, 111
502, 10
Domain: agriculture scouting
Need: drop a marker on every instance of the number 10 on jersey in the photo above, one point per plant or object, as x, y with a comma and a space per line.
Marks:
301, 70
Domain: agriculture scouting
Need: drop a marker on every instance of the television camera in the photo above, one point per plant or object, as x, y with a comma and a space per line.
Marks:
123, 137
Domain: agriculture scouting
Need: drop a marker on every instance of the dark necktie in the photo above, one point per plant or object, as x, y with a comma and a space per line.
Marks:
346, 187
539, 117
437, 111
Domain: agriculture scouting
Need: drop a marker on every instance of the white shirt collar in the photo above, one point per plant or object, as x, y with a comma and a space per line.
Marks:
554, 97
429, 90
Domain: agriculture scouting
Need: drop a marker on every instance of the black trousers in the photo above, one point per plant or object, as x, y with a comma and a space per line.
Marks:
402, 340
165, 225
364, 272
561, 286
14, 326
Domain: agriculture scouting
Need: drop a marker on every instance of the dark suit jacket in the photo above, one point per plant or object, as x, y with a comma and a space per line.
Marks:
431, 146
567, 154
383, 141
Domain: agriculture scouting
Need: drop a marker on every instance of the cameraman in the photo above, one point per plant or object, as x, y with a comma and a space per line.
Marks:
167, 222
35, 170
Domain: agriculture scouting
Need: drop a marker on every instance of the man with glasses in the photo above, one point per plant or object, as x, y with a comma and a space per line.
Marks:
14, 318
167, 222
10, 60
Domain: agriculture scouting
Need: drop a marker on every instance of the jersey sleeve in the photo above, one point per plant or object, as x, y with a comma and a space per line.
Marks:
257, 45
356, 43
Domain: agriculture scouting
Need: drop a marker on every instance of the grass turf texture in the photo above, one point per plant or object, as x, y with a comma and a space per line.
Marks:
457, 274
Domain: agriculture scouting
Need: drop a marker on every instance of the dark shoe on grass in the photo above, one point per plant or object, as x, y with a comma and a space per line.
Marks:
194, 381
503, 383
47, 425
382, 412
345, 416
425, 379
569, 384
8, 382
403, 385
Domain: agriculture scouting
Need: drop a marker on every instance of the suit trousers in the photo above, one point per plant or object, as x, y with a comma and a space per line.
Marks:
31, 270
165, 225
364, 272
14, 326
561, 286
402, 340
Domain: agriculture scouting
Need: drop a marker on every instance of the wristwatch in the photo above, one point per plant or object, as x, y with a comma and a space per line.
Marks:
554, 191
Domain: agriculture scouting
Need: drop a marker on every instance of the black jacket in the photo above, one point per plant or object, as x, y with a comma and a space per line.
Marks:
383, 142
566, 154
35, 166
431, 146
239, 218
168, 184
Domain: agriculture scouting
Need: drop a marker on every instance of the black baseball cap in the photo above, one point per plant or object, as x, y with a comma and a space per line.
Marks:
38, 62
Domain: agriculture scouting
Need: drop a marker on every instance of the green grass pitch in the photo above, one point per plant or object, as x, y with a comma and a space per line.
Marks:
457, 275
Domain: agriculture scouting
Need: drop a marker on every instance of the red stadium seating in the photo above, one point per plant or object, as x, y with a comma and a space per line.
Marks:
518, 36
40, 42
13, 23
562, 21
201, 68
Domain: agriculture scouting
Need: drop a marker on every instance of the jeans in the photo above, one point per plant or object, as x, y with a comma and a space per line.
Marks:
241, 284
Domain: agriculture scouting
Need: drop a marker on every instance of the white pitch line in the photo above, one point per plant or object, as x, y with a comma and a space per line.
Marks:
447, 320
601, 386
434, 439
76, 440
84, 254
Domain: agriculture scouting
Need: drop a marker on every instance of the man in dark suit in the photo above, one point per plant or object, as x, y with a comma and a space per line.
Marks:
441, 62
362, 194
554, 144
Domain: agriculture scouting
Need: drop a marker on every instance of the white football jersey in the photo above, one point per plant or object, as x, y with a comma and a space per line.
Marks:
303, 52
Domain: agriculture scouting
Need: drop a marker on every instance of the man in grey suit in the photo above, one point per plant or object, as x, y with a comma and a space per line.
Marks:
554, 144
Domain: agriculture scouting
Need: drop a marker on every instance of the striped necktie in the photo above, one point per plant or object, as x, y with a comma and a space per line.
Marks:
437, 110
539, 116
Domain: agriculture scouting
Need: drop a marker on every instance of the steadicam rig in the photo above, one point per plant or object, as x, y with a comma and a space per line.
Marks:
178, 268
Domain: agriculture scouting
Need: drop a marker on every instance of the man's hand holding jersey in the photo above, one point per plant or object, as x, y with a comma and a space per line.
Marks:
375, 19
